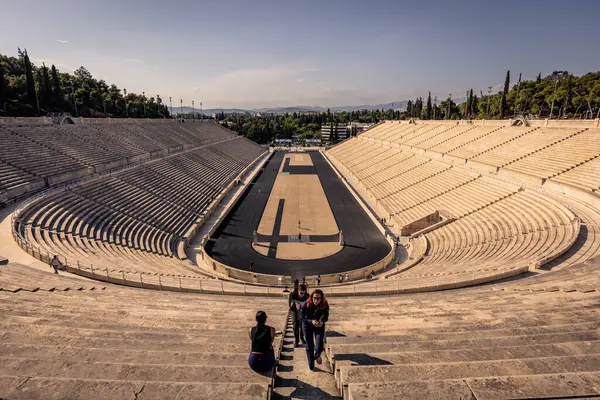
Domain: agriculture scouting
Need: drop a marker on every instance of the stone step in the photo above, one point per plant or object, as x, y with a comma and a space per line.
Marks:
295, 381
481, 333
127, 324
466, 355
18, 387
118, 344
129, 371
476, 369
570, 385
132, 356
507, 341
500, 307
390, 327
199, 337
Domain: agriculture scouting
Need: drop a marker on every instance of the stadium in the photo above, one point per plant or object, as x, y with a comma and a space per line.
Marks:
459, 261
316, 200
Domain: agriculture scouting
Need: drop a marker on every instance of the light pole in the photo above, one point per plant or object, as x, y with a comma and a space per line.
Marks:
171, 104
201, 115
144, 102
193, 112
158, 104
181, 105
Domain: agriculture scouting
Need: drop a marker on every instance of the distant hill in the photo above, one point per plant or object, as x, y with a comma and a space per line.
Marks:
396, 105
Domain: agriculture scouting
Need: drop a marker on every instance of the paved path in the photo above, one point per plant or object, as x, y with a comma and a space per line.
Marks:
295, 381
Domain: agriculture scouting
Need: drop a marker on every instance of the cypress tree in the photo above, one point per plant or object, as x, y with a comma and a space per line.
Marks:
40, 87
2, 90
503, 104
471, 103
46, 86
56, 90
428, 110
31, 93
539, 78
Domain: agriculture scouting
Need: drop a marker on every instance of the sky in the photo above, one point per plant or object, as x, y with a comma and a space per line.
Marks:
272, 53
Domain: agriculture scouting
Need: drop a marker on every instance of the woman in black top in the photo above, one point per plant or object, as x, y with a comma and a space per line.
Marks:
296, 300
315, 312
262, 356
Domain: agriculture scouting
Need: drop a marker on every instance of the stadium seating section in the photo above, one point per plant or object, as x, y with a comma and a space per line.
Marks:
494, 218
134, 219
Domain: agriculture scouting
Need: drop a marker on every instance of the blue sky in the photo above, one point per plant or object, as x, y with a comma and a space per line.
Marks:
281, 53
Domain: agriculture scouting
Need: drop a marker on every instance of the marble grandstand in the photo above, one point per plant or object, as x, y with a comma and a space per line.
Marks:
517, 206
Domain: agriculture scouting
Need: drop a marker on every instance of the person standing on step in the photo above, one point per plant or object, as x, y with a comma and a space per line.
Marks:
262, 355
297, 298
55, 263
294, 290
290, 296
315, 313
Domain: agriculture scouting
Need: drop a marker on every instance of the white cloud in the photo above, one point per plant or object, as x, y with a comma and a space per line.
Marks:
49, 61
283, 85
61, 41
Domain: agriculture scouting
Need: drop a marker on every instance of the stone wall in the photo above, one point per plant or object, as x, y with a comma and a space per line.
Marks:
421, 224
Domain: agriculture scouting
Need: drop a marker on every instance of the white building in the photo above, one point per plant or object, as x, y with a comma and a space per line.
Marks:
329, 132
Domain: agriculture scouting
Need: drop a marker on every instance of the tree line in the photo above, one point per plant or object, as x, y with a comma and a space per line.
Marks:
30, 90
558, 95
27, 90
263, 128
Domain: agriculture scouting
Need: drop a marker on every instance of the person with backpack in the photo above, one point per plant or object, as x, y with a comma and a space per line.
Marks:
297, 298
315, 313
262, 355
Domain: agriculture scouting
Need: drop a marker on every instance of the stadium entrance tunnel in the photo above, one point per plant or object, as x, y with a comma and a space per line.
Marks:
297, 218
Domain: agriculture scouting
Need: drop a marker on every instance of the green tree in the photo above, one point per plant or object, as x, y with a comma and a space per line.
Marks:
56, 89
31, 94
504, 105
429, 109
409, 109
3, 89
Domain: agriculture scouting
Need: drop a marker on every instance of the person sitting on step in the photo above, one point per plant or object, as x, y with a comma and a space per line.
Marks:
262, 356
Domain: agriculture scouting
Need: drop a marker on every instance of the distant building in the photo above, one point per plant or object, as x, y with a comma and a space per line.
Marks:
333, 132
354, 128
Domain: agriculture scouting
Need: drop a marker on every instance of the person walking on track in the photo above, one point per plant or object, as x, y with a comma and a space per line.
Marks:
315, 313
